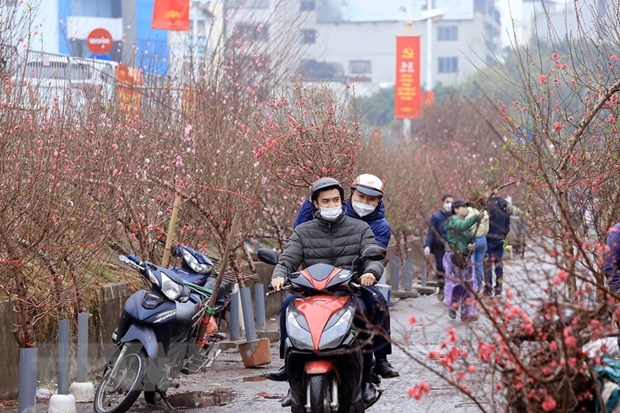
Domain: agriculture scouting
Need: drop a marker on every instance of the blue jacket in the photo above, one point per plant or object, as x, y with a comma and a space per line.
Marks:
376, 220
437, 236
611, 265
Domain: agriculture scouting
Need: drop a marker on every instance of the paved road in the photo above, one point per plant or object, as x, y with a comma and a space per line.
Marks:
245, 390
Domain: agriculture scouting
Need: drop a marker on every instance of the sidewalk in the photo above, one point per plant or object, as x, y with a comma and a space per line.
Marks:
240, 389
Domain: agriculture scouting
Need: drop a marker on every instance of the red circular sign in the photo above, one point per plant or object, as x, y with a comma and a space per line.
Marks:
99, 41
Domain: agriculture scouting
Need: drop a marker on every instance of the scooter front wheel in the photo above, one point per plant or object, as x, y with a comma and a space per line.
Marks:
320, 396
121, 383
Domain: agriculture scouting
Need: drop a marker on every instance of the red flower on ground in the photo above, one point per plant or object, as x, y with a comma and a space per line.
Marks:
549, 404
419, 390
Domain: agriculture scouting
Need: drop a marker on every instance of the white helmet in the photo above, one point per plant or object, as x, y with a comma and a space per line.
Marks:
368, 185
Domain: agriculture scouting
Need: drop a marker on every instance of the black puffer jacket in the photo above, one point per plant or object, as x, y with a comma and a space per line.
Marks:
337, 243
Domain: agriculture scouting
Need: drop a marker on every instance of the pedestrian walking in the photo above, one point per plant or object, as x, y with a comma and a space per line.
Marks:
458, 262
480, 250
436, 240
499, 226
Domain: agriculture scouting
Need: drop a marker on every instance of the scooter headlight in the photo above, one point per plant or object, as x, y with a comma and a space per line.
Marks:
300, 337
170, 289
333, 336
193, 263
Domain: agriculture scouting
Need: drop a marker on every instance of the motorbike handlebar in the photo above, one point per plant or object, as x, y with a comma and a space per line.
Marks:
271, 291
134, 259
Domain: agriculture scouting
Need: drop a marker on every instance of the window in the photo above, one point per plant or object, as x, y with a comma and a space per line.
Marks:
313, 71
360, 67
360, 71
448, 65
251, 31
450, 33
201, 27
307, 5
99, 8
308, 36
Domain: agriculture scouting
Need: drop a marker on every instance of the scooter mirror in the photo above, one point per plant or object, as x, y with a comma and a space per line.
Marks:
374, 253
267, 256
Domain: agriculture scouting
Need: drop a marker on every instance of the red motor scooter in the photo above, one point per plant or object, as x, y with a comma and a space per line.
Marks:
323, 354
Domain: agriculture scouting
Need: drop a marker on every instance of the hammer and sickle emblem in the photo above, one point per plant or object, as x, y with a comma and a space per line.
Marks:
408, 53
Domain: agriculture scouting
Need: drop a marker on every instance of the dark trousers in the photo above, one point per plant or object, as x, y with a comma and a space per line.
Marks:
495, 253
438, 253
378, 321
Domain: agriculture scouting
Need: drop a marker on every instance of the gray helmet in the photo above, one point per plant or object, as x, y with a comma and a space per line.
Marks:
323, 184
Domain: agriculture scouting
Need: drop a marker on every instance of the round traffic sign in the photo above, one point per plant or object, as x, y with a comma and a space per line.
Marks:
99, 41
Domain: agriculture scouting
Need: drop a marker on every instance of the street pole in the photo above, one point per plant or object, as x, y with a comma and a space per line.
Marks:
407, 124
429, 45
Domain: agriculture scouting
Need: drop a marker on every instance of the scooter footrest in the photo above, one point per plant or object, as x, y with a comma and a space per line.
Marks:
198, 362
218, 336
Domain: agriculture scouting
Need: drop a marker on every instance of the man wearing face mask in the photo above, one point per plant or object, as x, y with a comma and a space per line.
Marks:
331, 237
366, 204
436, 239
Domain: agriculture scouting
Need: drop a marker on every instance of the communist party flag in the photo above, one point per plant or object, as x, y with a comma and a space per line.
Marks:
171, 15
407, 89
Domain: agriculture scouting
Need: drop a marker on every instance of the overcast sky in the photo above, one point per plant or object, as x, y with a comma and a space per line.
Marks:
374, 9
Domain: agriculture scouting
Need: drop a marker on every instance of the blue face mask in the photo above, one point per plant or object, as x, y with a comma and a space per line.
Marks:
331, 214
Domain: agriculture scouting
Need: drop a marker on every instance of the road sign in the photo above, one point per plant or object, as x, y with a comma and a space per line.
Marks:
99, 41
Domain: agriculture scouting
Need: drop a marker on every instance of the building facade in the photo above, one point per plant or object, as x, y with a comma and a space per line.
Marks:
466, 36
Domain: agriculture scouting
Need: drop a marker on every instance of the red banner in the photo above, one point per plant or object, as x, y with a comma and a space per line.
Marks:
128, 84
427, 99
171, 15
407, 88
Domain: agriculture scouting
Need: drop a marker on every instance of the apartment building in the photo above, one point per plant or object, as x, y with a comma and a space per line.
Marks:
466, 36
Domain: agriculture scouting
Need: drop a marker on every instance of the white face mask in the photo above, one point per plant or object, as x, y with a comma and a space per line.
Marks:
331, 214
447, 207
362, 209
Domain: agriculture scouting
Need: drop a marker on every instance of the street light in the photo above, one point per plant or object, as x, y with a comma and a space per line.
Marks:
429, 15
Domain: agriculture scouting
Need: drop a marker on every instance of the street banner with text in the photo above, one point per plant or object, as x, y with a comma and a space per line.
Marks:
128, 88
171, 15
407, 88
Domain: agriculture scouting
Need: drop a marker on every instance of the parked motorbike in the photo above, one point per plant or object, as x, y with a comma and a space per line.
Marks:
323, 354
162, 332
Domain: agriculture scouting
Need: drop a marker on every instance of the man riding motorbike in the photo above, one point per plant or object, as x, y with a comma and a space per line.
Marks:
365, 203
336, 239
